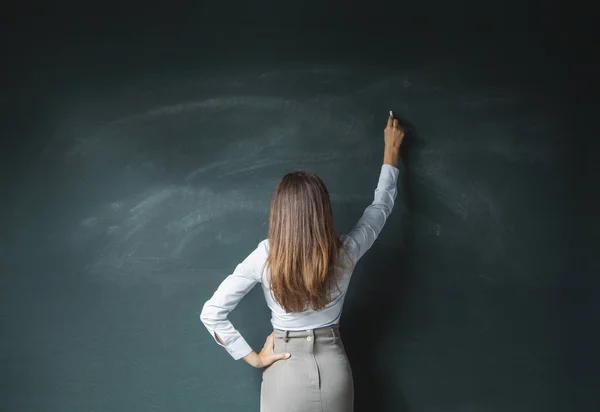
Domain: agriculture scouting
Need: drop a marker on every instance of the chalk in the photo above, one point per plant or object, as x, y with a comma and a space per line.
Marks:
391, 114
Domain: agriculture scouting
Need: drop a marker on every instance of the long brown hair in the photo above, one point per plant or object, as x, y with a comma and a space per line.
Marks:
303, 245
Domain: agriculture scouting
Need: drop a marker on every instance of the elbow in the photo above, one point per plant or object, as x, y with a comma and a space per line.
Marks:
388, 211
213, 315
205, 315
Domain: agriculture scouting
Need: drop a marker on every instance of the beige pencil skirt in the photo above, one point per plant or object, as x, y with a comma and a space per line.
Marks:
316, 378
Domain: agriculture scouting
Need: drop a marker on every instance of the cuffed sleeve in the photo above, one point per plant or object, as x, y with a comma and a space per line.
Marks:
368, 227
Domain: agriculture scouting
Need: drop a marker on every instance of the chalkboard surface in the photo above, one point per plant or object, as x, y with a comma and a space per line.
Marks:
139, 173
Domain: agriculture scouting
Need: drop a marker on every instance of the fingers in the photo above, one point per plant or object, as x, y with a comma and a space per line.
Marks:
281, 356
277, 357
391, 120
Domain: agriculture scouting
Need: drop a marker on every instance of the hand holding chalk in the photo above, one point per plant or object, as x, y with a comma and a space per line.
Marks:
392, 135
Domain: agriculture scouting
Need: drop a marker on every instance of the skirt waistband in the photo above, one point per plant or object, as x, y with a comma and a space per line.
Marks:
332, 330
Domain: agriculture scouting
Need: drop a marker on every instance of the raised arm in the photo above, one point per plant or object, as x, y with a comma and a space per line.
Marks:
368, 227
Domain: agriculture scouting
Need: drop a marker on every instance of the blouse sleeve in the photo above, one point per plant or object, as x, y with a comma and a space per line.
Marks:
368, 227
230, 292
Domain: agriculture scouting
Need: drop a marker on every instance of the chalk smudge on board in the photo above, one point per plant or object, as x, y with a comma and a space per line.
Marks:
161, 224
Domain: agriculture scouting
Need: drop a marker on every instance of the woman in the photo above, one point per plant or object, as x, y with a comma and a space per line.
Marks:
304, 269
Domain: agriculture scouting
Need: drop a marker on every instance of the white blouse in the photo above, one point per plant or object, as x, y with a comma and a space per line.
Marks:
248, 273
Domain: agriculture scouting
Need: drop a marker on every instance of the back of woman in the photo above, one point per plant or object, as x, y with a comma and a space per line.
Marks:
304, 269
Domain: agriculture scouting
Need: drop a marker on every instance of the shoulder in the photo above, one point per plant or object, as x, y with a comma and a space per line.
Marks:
261, 250
264, 244
253, 264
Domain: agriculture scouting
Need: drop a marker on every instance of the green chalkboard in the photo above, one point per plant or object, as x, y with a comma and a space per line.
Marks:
140, 172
